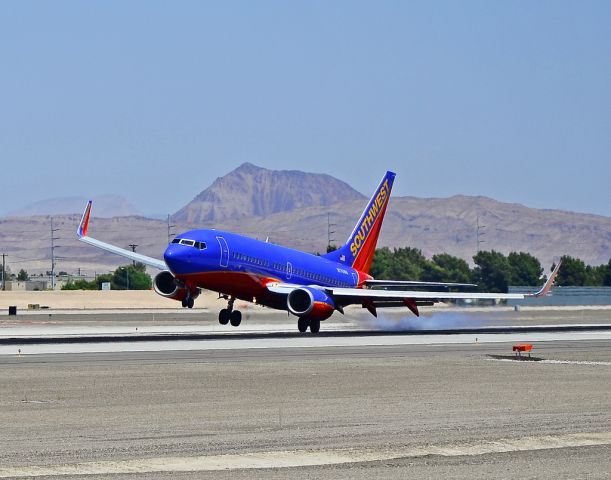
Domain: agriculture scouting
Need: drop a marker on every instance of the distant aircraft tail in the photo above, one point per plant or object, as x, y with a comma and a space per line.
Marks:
359, 249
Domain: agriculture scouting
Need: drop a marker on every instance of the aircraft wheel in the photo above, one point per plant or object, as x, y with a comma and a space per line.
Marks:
190, 302
235, 318
314, 326
224, 316
184, 303
302, 325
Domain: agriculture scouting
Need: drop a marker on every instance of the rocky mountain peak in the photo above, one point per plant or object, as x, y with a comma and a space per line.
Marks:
252, 191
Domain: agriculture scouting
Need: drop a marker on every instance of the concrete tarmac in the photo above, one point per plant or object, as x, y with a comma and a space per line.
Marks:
367, 411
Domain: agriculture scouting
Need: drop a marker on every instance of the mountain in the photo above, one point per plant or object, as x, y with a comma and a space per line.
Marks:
251, 191
106, 206
292, 208
437, 225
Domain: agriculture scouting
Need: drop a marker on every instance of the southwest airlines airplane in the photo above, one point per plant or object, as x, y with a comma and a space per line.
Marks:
308, 286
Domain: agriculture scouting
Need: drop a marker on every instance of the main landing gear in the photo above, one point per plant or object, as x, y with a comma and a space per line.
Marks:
304, 323
188, 301
229, 315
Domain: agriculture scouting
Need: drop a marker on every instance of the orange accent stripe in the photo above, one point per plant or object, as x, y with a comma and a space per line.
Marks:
365, 265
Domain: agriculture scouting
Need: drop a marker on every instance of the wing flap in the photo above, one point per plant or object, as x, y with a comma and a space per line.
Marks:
416, 295
413, 283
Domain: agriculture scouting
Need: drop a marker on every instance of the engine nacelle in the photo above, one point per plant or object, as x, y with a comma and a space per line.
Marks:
310, 303
165, 284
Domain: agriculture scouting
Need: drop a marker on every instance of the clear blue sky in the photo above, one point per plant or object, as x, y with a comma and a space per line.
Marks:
154, 100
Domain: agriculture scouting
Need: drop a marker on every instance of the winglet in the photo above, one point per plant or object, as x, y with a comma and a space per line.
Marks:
548, 285
84, 225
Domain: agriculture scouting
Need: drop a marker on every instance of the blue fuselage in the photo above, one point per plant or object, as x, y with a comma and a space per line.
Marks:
240, 266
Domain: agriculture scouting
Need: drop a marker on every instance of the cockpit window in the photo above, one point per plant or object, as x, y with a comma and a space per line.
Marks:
191, 243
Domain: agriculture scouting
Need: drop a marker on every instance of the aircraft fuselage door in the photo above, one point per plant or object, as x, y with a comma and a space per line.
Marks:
289, 270
224, 261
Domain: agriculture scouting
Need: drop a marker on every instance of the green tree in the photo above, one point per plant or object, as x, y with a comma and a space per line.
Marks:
407, 264
81, 284
6, 274
103, 278
454, 269
492, 271
594, 275
140, 267
131, 277
572, 273
431, 272
606, 277
381, 263
23, 276
400, 264
526, 270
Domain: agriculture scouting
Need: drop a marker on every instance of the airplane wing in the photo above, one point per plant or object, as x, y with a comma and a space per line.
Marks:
413, 283
372, 298
81, 232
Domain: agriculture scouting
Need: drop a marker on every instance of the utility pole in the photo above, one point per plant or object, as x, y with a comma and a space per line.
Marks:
170, 233
133, 247
329, 231
53, 247
4, 255
479, 233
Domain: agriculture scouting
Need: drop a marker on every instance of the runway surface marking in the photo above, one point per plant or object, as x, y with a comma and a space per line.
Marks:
35, 329
304, 458
305, 341
555, 362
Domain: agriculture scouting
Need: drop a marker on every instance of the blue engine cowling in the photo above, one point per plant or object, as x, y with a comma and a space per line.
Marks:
310, 303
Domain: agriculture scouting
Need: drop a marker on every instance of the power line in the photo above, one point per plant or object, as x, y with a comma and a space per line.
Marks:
330, 232
53, 247
133, 247
479, 233
4, 255
170, 233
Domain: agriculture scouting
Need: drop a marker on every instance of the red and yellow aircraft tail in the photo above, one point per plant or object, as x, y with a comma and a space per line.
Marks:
361, 245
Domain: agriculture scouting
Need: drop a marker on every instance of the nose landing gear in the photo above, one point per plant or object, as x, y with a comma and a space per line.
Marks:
229, 315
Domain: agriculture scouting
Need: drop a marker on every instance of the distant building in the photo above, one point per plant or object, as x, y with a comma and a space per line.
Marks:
29, 285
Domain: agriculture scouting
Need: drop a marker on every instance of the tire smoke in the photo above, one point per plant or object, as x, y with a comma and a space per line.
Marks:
435, 321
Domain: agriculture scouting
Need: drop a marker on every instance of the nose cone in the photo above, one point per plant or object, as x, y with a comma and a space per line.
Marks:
177, 258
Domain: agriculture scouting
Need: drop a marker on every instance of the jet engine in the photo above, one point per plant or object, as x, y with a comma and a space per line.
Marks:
310, 303
166, 285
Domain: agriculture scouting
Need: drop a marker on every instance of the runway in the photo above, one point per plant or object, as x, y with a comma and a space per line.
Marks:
343, 406
82, 332
80, 344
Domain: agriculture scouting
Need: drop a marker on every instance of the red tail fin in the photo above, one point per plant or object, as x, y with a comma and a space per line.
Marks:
361, 245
